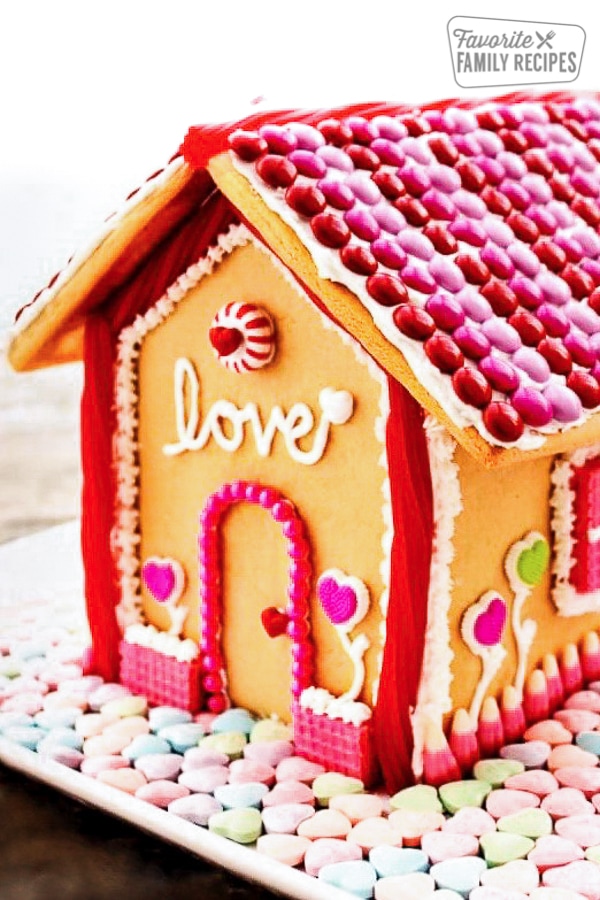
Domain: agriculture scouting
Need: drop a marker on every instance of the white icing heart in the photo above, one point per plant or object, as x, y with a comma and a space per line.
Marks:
337, 406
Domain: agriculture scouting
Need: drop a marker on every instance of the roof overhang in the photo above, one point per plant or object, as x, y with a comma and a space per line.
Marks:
50, 329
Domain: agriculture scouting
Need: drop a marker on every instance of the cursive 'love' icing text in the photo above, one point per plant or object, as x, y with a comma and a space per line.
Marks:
226, 423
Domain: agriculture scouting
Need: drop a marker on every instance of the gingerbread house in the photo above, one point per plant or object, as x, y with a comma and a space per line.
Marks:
339, 422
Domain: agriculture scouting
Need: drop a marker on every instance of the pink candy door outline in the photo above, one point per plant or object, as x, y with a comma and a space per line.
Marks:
296, 613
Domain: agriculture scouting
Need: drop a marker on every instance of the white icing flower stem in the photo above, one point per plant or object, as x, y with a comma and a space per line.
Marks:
524, 633
356, 650
491, 660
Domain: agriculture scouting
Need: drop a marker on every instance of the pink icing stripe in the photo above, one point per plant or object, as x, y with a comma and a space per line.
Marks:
298, 591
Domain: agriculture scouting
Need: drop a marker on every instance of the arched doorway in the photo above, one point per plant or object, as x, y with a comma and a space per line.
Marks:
293, 620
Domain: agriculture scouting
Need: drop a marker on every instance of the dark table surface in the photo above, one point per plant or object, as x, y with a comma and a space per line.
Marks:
56, 848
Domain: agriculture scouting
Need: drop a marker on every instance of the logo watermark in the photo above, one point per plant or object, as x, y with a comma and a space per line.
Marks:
504, 52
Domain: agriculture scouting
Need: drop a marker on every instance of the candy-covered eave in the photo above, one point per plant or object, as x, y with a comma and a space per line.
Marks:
449, 228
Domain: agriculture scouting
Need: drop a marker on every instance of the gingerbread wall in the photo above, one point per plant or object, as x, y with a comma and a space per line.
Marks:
340, 497
500, 508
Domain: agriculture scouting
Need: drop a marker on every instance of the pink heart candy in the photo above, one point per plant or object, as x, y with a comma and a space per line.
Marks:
489, 624
163, 578
344, 598
338, 601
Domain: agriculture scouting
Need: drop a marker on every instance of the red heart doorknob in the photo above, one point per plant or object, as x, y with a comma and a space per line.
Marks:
274, 621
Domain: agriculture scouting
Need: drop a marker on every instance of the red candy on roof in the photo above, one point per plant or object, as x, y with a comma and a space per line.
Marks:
476, 226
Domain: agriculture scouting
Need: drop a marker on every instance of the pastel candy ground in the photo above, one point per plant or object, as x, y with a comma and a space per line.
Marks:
527, 826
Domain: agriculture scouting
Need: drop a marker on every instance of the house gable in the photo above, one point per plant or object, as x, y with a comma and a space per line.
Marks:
164, 494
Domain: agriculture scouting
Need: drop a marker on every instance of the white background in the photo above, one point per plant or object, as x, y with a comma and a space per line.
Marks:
94, 96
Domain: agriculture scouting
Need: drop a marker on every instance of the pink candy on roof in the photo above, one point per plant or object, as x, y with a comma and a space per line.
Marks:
476, 227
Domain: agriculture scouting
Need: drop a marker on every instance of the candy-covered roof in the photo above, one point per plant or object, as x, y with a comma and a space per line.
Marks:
458, 242
470, 235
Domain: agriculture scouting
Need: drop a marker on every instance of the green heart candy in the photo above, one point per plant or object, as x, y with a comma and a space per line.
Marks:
533, 562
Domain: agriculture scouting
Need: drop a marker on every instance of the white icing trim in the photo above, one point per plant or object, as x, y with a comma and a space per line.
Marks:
46, 296
322, 703
161, 641
562, 502
336, 406
126, 531
433, 698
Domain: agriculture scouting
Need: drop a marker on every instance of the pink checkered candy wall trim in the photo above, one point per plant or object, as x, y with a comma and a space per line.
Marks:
162, 679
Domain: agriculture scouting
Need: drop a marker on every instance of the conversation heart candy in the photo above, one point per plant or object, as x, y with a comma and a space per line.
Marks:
241, 770
161, 792
285, 818
182, 735
567, 802
460, 875
289, 792
536, 781
269, 753
420, 797
583, 829
289, 849
357, 877
582, 876
506, 801
235, 719
325, 823
389, 860
231, 743
201, 757
240, 825
270, 730
501, 847
127, 780
195, 808
332, 784
457, 794
518, 875
533, 754
324, 851
295, 768
374, 832
358, 806
162, 716
566, 755
159, 766
553, 850
416, 886
442, 845
531, 823
470, 820
496, 771
143, 744
204, 780
240, 796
